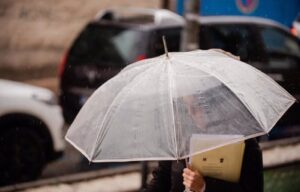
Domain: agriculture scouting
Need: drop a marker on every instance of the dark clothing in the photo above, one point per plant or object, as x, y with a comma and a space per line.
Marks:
168, 176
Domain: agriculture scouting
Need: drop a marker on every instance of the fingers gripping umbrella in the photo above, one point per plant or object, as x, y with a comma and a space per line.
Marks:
152, 108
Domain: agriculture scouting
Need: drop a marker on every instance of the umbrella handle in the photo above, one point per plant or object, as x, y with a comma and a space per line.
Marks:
187, 165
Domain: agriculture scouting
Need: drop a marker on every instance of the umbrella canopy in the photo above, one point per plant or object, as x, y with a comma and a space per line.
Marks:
152, 108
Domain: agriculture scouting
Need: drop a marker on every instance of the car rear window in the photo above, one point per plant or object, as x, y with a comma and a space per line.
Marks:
107, 46
283, 48
278, 41
236, 39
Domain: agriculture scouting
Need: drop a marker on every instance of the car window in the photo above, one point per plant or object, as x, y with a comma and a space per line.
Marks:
236, 39
274, 40
109, 46
282, 48
173, 38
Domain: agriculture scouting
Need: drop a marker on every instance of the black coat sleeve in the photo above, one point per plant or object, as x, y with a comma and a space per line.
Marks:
251, 176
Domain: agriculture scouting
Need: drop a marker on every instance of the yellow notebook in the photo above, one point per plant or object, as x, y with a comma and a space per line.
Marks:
223, 163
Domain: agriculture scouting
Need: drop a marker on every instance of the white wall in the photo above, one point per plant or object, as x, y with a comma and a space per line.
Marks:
36, 33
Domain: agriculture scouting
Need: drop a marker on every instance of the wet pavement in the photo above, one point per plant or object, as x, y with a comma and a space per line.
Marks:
281, 174
120, 183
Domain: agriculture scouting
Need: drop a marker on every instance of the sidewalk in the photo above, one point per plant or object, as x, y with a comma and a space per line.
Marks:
280, 155
128, 179
118, 179
129, 182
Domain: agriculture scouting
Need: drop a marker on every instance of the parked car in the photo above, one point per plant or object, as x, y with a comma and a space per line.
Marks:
112, 41
31, 125
109, 43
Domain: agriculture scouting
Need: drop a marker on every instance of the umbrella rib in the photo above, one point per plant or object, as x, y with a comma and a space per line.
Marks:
158, 158
171, 105
104, 119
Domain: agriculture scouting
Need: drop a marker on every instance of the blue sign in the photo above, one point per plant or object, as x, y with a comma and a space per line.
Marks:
247, 6
283, 11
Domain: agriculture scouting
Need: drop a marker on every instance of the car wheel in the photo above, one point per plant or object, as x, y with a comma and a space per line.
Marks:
22, 156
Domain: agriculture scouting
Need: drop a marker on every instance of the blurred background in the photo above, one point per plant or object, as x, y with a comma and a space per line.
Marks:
54, 54
35, 34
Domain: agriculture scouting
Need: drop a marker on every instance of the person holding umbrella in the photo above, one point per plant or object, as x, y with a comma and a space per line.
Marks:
141, 115
175, 176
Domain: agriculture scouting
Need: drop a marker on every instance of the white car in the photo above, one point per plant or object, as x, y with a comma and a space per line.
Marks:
31, 126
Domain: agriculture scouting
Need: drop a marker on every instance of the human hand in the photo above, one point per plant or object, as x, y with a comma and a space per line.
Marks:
193, 180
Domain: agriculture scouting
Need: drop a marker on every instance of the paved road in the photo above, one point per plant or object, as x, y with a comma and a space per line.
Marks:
69, 163
129, 182
277, 179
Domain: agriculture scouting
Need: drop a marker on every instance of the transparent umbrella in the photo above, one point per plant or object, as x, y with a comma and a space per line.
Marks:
152, 108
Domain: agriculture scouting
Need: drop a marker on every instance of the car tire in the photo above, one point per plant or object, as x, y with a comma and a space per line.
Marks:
22, 156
